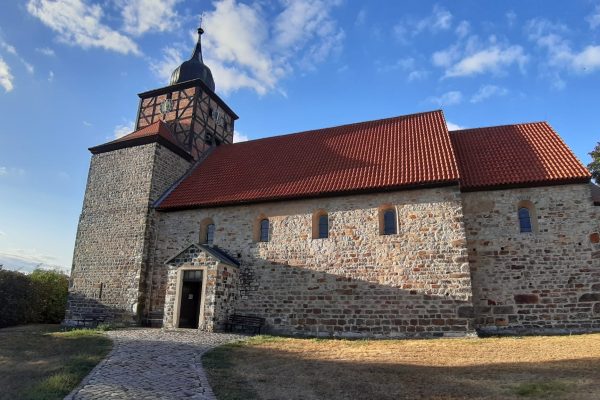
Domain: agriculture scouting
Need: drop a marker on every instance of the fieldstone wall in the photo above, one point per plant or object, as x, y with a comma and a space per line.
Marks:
356, 282
545, 281
114, 232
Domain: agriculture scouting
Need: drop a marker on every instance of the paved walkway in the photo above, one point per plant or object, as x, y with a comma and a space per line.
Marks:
153, 364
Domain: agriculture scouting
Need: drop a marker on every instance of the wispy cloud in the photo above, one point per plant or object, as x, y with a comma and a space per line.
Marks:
50, 76
594, 18
239, 137
47, 51
6, 78
463, 29
560, 56
487, 91
123, 129
80, 24
454, 127
440, 19
141, 16
11, 171
245, 49
10, 49
471, 57
407, 65
447, 99
86, 123
26, 260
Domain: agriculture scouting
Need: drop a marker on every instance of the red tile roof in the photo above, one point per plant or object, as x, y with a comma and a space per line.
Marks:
393, 153
514, 155
158, 131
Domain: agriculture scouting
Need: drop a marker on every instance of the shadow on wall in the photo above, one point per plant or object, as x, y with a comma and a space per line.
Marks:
424, 300
80, 307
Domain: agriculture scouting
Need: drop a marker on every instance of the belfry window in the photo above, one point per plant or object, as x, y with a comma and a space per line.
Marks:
389, 222
264, 230
524, 220
207, 231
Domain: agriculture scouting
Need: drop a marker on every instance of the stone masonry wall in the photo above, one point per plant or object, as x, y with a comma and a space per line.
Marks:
545, 281
354, 283
113, 233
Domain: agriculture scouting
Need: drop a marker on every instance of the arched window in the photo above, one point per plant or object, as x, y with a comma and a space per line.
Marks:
210, 234
524, 220
264, 230
389, 222
323, 226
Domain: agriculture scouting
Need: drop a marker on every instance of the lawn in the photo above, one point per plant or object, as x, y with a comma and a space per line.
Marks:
41, 362
558, 367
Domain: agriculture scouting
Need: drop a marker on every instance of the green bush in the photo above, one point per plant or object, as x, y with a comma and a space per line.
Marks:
39, 297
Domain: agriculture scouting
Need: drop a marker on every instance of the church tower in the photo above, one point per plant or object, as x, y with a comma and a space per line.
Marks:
176, 126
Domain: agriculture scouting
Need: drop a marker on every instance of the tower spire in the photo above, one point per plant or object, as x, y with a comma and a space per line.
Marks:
194, 68
197, 55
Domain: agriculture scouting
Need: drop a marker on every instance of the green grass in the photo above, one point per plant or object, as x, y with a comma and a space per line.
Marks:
541, 389
39, 362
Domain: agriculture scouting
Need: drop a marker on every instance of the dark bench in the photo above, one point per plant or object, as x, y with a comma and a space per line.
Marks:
89, 321
245, 322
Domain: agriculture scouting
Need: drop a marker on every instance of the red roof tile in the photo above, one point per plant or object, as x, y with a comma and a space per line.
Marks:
514, 155
158, 131
401, 152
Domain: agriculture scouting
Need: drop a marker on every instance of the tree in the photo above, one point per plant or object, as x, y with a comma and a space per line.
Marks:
594, 166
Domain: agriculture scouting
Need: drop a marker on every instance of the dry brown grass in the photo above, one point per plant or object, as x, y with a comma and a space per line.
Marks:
559, 367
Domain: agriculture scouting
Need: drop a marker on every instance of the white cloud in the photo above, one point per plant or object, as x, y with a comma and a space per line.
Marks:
123, 129
550, 37
46, 51
408, 65
79, 24
361, 17
454, 127
491, 59
245, 49
13, 51
239, 137
85, 123
511, 18
594, 18
171, 59
26, 260
6, 78
2, 233
12, 171
50, 76
141, 16
487, 91
440, 19
447, 99
463, 29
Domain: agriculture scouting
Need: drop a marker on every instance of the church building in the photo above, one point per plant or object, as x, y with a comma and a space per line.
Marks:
390, 228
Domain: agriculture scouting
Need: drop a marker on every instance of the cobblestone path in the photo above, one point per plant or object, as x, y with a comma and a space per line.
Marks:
153, 364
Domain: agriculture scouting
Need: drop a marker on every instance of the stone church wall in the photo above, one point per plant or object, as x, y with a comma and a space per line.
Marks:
356, 282
113, 233
548, 280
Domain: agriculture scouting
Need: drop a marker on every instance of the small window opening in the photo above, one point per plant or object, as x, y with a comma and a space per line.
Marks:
524, 220
323, 226
389, 222
210, 234
264, 230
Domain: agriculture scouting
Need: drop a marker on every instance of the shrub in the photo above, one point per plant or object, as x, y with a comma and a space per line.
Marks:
38, 297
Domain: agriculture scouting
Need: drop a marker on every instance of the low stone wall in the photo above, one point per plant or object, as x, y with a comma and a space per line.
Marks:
547, 281
356, 282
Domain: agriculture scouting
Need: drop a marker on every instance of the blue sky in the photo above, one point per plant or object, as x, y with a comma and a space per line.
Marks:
70, 71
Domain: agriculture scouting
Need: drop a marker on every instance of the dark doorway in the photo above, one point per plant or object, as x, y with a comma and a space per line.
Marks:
191, 290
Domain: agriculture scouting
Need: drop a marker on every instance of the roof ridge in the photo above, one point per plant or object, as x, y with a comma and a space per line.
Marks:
499, 126
341, 126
